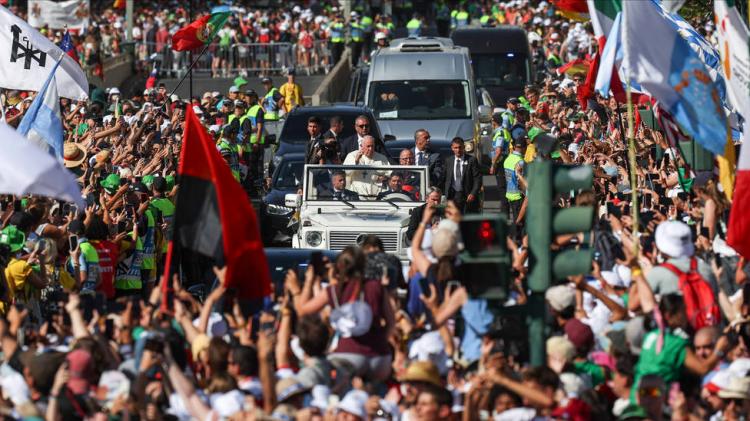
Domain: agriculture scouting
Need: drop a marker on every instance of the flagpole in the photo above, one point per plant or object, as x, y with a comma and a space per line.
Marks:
190, 72
634, 211
190, 53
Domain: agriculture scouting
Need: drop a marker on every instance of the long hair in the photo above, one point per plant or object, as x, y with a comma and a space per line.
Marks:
350, 266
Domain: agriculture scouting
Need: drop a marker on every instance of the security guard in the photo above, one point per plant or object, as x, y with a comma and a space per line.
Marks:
414, 26
462, 17
515, 184
270, 101
336, 35
254, 127
228, 149
500, 147
163, 209
357, 35
369, 27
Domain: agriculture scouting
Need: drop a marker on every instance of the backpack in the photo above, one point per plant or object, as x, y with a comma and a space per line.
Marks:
700, 303
351, 319
608, 247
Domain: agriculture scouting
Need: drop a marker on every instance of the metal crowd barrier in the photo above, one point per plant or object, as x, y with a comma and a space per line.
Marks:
239, 59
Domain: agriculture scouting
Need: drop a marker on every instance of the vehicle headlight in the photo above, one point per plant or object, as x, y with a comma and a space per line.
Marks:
276, 160
279, 210
313, 238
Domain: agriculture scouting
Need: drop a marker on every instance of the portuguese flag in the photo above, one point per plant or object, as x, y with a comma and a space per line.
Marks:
202, 31
214, 219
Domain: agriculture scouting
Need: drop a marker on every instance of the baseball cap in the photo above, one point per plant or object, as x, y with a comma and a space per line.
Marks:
13, 238
266, 80
233, 88
513, 100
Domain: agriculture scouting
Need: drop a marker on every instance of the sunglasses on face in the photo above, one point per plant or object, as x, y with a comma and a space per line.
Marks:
363, 126
650, 392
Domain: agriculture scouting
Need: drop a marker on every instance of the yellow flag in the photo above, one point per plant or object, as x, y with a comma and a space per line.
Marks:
727, 166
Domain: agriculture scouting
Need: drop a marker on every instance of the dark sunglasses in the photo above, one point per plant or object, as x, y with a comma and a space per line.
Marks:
362, 126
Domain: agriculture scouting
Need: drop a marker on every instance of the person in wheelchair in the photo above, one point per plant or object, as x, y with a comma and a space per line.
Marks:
396, 189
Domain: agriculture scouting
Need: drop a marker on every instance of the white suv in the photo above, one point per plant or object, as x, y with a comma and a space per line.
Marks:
372, 201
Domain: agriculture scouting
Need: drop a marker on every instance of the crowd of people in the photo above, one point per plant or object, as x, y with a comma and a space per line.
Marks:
658, 331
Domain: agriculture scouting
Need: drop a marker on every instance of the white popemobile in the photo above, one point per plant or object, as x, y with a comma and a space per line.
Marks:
341, 204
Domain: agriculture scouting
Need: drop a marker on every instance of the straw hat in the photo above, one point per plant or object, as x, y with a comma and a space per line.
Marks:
73, 154
422, 371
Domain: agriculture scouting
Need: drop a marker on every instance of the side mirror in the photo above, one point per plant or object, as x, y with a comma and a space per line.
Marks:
485, 114
292, 200
271, 139
388, 138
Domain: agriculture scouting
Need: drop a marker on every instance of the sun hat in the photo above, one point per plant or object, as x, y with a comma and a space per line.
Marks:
102, 157
354, 403
13, 238
111, 183
73, 154
739, 388
233, 89
560, 297
674, 239
289, 387
422, 371
580, 334
561, 348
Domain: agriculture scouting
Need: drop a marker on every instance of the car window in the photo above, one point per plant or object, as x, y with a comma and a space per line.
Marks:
295, 127
289, 175
366, 183
507, 70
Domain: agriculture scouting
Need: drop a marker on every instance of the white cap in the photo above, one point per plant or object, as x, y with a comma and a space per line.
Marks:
114, 91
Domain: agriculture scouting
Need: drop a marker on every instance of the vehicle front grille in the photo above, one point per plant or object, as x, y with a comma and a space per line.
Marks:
340, 239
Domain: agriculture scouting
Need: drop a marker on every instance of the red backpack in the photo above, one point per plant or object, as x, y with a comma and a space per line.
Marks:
700, 302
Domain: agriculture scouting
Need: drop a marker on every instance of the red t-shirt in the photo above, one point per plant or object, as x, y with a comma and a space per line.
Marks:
374, 342
108, 253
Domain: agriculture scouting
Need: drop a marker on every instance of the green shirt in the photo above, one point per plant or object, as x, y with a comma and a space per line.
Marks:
666, 364
596, 372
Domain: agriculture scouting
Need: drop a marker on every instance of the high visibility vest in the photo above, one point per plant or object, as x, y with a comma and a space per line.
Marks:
357, 31
462, 18
128, 275
337, 32
252, 114
225, 148
366, 23
92, 266
555, 60
271, 108
149, 242
512, 189
454, 22
164, 207
484, 20
414, 27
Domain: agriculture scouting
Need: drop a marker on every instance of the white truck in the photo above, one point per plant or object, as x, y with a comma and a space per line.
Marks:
341, 204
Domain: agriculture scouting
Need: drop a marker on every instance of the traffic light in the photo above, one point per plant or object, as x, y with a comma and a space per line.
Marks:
543, 222
485, 261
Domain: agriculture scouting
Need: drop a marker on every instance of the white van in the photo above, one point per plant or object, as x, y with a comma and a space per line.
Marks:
425, 82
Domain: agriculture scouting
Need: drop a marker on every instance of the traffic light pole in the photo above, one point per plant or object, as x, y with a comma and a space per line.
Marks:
539, 226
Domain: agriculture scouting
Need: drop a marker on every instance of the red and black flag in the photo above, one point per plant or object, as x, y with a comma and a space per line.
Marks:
214, 217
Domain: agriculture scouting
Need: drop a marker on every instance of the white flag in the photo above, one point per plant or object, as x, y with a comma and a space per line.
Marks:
73, 14
735, 56
27, 58
27, 169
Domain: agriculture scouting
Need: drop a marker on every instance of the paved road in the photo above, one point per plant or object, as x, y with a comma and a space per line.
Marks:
491, 195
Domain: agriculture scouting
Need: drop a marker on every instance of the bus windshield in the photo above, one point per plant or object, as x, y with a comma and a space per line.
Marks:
420, 99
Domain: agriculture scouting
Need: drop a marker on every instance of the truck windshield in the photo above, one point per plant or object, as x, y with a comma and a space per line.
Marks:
420, 100
507, 70
366, 183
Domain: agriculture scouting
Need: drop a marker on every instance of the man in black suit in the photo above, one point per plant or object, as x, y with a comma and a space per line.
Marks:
336, 189
354, 142
336, 127
433, 199
463, 178
423, 156
313, 130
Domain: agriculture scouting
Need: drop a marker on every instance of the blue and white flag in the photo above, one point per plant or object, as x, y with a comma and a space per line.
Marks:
667, 67
42, 123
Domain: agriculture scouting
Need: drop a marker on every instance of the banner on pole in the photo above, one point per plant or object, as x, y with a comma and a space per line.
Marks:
57, 15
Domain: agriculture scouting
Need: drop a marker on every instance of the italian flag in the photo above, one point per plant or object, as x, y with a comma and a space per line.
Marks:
202, 31
603, 14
